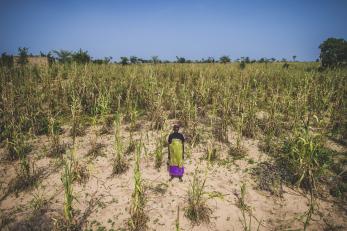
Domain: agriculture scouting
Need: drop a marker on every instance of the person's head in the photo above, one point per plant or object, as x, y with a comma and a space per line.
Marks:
176, 127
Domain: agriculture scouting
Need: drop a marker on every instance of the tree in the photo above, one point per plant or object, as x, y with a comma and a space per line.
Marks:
155, 59
124, 60
262, 60
210, 60
180, 59
23, 55
224, 59
242, 65
294, 57
107, 60
64, 56
50, 58
133, 59
6, 60
333, 52
98, 61
81, 57
245, 59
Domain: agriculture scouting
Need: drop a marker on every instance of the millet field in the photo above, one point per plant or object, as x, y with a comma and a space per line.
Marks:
84, 147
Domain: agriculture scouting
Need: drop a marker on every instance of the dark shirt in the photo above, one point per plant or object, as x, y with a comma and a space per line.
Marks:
175, 135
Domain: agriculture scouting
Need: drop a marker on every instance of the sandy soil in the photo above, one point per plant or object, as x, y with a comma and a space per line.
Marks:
104, 200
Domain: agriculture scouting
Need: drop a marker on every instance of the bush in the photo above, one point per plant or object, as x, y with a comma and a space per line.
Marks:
6, 60
306, 157
224, 59
242, 65
23, 55
333, 52
81, 57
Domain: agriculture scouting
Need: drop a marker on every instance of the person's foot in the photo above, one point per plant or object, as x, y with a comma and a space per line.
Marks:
180, 178
171, 178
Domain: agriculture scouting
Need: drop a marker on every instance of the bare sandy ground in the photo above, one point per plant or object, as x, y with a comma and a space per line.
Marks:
104, 200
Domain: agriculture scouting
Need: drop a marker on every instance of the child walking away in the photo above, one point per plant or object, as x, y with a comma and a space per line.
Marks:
176, 153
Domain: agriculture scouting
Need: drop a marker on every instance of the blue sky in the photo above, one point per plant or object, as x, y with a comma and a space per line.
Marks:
193, 29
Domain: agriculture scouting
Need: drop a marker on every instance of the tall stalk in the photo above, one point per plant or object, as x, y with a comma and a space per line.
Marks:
67, 179
138, 217
120, 165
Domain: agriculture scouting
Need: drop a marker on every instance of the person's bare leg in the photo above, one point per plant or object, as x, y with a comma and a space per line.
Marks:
180, 178
171, 178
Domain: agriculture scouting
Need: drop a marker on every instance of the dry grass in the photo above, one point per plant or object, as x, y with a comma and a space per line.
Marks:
302, 107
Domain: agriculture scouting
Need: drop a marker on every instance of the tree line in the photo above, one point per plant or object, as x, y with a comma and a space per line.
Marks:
333, 53
81, 56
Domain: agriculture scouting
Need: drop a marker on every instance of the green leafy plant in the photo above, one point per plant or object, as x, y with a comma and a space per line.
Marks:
39, 202
197, 210
138, 216
67, 179
96, 147
56, 147
246, 211
212, 152
158, 155
307, 158
120, 165
26, 172
177, 225
23, 55
307, 161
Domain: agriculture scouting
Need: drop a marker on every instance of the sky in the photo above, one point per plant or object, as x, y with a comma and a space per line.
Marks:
193, 29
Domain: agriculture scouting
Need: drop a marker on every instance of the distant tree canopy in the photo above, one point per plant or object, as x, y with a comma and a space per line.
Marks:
81, 56
106, 60
134, 60
23, 55
224, 59
180, 59
155, 59
6, 60
210, 60
263, 60
124, 60
63, 56
242, 65
333, 52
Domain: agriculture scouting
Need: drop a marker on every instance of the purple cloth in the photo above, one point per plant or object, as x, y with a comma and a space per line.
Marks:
176, 171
